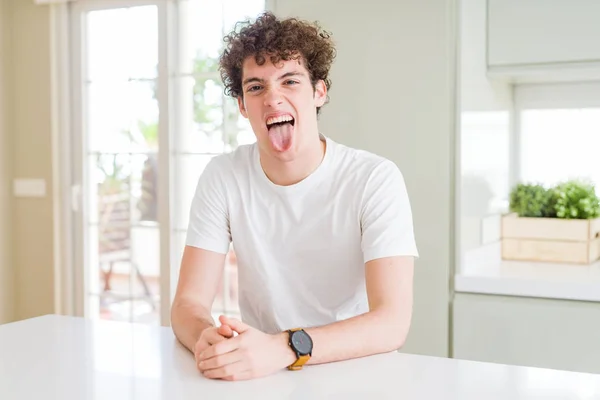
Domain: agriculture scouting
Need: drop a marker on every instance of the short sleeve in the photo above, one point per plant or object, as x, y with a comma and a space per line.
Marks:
386, 215
209, 220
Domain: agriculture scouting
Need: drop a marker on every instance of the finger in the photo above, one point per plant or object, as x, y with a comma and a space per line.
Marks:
205, 343
225, 330
235, 324
242, 376
209, 338
227, 370
199, 348
220, 361
215, 337
225, 346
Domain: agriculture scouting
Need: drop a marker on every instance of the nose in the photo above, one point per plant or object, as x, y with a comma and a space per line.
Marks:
272, 97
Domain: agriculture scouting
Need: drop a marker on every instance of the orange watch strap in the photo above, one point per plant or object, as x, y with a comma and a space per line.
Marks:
299, 363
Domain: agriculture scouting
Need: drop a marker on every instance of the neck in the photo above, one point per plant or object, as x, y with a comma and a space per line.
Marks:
286, 173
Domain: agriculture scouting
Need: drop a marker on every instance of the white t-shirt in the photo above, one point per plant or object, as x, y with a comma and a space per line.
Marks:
301, 249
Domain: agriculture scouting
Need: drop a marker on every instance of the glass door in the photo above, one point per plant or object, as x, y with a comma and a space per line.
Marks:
207, 122
117, 105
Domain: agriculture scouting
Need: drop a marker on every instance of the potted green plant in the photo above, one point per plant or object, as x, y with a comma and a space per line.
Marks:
576, 199
531, 200
556, 224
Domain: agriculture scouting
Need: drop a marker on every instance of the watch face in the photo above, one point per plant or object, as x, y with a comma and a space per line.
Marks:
302, 342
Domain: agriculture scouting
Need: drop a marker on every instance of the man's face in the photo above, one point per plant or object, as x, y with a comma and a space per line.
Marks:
280, 102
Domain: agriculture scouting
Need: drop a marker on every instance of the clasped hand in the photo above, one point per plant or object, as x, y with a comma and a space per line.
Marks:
250, 354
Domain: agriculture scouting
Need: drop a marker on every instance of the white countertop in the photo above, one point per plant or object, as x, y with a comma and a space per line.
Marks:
483, 271
66, 358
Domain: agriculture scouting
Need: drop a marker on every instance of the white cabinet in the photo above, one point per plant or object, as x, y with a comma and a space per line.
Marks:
543, 31
557, 38
527, 331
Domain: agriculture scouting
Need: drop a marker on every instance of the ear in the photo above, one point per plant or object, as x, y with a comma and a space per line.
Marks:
320, 93
242, 106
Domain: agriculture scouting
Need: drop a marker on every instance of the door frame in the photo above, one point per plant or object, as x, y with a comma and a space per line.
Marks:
78, 179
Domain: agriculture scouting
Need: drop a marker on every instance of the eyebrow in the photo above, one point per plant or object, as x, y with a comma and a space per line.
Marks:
286, 75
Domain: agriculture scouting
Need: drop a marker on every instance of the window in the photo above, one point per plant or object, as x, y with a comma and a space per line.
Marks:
149, 112
560, 144
558, 129
206, 122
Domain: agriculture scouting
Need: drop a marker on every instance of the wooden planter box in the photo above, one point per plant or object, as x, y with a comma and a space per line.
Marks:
574, 241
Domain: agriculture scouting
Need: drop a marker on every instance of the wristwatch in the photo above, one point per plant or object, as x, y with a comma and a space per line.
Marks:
302, 345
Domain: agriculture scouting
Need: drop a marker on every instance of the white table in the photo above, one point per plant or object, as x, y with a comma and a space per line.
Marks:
55, 357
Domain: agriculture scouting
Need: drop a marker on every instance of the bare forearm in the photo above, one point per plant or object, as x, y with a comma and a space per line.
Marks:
188, 322
367, 334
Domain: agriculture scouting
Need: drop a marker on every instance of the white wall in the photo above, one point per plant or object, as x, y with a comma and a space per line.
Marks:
31, 134
6, 264
393, 94
485, 129
478, 93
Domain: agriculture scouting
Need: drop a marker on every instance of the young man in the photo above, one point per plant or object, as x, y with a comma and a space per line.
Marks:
323, 233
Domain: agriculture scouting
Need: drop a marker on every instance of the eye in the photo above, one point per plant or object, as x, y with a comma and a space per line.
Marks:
253, 88
291, 82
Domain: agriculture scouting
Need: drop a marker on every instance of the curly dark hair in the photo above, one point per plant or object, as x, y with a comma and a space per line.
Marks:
279, 39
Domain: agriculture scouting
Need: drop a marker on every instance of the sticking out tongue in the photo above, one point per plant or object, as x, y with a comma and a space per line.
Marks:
281, 136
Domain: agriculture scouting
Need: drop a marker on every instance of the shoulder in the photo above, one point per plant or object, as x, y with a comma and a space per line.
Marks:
229, 164
362, 165
373, 180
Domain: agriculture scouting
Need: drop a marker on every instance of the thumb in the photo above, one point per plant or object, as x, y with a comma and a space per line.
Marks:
235, 324
225, 330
